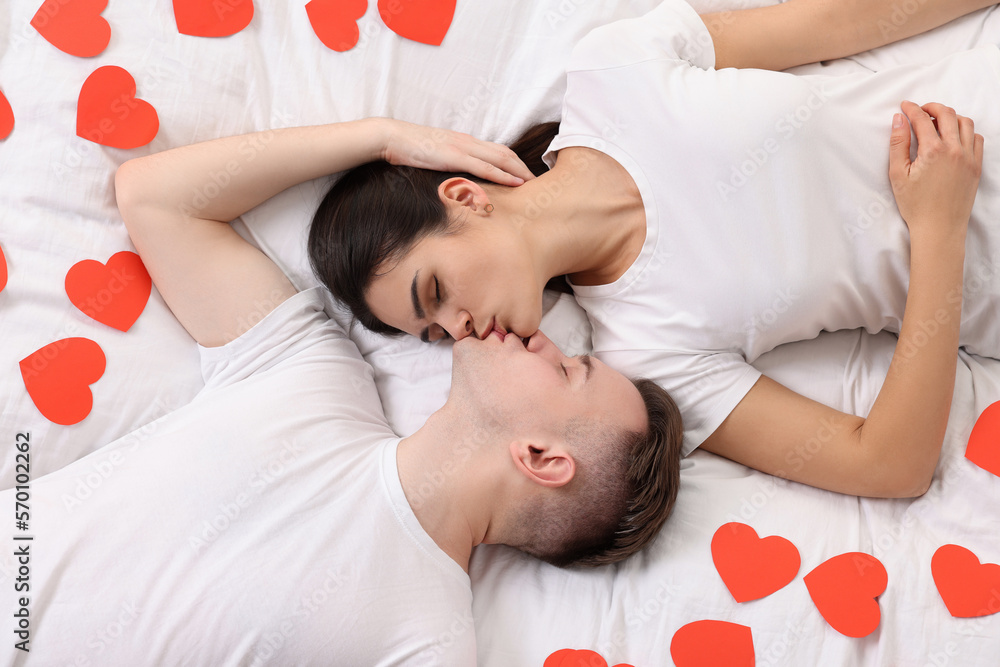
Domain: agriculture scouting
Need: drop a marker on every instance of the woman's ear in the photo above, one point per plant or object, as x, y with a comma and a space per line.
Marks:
463, 192
547, 465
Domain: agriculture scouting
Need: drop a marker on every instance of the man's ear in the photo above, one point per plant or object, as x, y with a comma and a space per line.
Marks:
548, 465
464, 192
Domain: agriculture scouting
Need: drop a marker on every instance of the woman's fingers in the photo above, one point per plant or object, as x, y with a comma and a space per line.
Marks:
947, 120
936, 191
513, 170
489, 171
951, 128
923, 127
967, 133
446, 150
899, 149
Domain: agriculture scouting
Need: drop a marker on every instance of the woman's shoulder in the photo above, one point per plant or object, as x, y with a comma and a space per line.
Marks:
673, 30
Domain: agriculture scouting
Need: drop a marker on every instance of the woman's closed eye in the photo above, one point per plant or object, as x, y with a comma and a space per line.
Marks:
440, 292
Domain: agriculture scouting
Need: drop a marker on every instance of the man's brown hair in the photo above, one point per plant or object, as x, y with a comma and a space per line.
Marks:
623, 491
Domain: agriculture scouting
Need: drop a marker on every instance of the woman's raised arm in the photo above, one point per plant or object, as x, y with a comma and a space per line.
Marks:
797, 32
223, 178
177, 204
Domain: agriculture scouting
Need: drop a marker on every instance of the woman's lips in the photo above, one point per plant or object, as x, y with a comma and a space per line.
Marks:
502, 334
494, 328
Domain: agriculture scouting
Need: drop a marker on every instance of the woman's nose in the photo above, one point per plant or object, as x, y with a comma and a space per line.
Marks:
461, 326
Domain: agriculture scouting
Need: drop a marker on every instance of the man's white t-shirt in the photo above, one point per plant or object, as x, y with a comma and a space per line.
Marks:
768, 207
262, 524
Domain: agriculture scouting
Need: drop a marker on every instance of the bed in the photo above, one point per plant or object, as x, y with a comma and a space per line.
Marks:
211, 69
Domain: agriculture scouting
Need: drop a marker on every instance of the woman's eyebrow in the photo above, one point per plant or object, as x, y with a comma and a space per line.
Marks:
417, 308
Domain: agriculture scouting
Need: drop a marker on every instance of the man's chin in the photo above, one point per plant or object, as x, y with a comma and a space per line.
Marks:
470, 363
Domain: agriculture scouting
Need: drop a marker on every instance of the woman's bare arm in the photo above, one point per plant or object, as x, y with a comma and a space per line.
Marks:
797, 32
894, 451
177, 204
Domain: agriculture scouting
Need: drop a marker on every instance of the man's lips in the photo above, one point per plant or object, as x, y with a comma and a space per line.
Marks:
500, 333
510, 335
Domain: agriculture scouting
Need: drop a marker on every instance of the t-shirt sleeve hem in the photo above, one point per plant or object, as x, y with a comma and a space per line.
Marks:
562, 141
693, 438
267, 332
672, 30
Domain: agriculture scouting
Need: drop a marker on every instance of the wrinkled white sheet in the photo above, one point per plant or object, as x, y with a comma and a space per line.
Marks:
498, 71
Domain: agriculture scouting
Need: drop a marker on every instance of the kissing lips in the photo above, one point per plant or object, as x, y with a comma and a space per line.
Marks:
489, 330
498, 330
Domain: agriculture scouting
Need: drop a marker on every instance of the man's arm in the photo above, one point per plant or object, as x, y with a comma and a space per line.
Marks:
797, 32
177, 205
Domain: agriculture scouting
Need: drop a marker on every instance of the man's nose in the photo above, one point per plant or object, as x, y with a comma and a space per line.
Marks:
541, 345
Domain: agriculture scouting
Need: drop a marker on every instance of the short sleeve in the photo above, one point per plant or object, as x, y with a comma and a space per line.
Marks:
632, 62
673, 30
705, 387
296, 324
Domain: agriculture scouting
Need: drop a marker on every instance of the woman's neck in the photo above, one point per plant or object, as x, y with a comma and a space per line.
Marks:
584, 218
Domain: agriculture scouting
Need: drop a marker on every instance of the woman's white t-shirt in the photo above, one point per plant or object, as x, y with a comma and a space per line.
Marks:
769, 213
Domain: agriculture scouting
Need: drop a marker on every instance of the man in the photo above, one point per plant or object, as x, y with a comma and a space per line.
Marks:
277, 519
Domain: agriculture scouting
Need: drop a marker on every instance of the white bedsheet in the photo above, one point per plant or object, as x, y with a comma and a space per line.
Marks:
498, 70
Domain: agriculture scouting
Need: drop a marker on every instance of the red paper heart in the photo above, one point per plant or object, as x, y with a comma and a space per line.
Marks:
568, 657
751, 567
114, 293
424, 21
212, 18
3, 270
335, 22
74, 26
845, 588
6, 117
58, 378
712, 644
984, 441
969, 588
108, 112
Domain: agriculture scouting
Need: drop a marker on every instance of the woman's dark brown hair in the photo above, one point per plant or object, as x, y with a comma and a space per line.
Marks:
377, 212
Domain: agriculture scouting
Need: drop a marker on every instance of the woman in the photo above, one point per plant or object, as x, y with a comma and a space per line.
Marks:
693, 263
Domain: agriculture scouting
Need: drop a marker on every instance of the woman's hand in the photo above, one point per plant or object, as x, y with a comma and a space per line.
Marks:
444, 150
936, 191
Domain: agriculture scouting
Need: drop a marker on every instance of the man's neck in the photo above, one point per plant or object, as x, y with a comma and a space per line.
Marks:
444, 490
